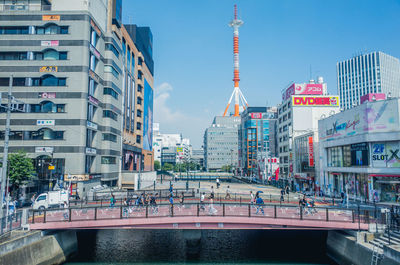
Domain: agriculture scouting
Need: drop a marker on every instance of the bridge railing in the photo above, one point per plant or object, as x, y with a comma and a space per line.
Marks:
12, 222
121, 195
323, 214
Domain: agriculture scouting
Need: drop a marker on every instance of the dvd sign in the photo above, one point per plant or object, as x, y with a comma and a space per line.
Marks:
317, 101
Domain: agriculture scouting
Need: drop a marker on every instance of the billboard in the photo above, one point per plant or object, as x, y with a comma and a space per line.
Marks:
385, 154
315, 101
288, 92
148, 117
302, 89
308, 89
371, 117
256, 115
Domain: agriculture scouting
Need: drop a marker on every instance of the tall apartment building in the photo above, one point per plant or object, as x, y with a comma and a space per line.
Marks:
257, 138
375, 72
301, 108
221, 143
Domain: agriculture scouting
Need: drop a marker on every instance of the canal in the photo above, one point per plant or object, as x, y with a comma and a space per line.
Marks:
201, 247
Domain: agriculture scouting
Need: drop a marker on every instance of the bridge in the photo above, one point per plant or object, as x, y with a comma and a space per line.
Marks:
202, 216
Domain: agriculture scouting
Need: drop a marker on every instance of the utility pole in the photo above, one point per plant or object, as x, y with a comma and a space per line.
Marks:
6, 140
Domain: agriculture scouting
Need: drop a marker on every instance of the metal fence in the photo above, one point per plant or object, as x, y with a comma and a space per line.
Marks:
11, 222
323, 214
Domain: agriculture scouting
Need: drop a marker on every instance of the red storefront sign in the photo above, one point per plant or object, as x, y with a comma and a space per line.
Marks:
310, 151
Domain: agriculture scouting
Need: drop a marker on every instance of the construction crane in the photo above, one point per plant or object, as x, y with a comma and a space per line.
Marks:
237, 94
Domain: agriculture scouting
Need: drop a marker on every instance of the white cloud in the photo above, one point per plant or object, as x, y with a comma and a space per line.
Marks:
162, 112
174, 120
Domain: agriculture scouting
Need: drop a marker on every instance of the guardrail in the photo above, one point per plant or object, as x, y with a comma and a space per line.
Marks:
11, 222
98, 212
162, 193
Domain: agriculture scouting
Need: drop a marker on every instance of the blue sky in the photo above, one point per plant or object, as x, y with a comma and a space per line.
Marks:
279, 41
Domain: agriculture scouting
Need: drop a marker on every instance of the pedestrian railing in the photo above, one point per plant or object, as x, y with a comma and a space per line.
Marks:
162, 193
323, 214
11, 222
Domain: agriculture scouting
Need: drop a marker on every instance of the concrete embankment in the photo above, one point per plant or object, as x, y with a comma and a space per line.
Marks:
346, 248
35, 248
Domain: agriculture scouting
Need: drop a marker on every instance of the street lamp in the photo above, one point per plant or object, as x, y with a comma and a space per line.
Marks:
232, 161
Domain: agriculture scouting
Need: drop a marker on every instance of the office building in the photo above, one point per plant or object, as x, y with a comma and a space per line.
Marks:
360, 151
221, 143
257, 140
58, 53
301, 108
138, 99
197, 157
375, 72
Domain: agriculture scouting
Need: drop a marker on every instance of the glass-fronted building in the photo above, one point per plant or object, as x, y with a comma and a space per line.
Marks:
375, 72
257, 138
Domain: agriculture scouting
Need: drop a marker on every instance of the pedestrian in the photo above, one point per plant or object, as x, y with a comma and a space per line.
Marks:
171, 203
153, 203
211, 209
182, 199
260, 204
171, 190
112, 201
287, 189
33, 199
217, 181
282, 195
66, 212
202, 197
212, 193
251, 198
228, 193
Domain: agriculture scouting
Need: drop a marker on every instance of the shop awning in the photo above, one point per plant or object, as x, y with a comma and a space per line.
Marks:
335, 173
388, 181
386, 176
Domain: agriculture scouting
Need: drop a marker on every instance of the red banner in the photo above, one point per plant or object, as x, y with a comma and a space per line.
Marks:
310, 151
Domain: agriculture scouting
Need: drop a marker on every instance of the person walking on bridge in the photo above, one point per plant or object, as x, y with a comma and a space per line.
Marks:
171, 203
112, 201
260, 204
251, 198
228, 194
202, 197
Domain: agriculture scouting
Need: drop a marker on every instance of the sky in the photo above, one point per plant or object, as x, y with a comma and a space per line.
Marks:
281, 41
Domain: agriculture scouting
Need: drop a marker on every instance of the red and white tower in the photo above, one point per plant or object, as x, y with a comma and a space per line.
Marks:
237, 94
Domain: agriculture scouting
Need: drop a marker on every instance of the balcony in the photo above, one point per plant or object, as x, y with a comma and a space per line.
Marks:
20, 7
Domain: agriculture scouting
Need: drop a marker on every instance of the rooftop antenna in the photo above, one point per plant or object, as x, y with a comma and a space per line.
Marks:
237, 94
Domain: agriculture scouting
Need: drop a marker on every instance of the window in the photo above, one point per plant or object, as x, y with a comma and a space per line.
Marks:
14, 30
110, 114
91, 111
138, 126
138, 139
93, 38
41, 134
111, 92
109, 137
139, 101
48, 80
46, 107
110, 47
92, 87
139, 113
90, 134
139, 88
140, 74
93, 63
108, 160
13, 56
88, 163
51, 29
17, 81
110, 69
50, 55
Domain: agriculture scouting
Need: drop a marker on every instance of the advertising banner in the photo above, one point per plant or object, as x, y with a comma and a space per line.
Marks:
393, 153
49, 43
256, 115
315, 101
45, 122
379, 116
51, 18
148, 117
48, 69
40, 149
310, 151
308, 89
69, 177
288, 92
378, 155
47, 95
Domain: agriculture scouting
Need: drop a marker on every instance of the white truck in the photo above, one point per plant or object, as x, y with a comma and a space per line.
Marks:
51, 199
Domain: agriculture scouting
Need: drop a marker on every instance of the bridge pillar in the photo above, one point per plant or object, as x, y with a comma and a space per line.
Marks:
193, 242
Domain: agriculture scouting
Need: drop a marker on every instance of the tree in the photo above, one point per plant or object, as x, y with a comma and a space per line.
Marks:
226, 168
167, 167
157, 165
20, 169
